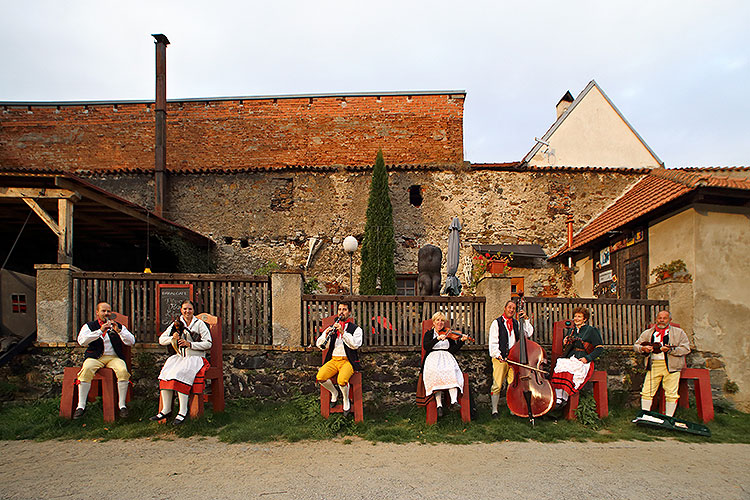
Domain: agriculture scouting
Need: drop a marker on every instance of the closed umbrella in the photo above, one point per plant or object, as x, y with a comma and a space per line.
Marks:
452, 283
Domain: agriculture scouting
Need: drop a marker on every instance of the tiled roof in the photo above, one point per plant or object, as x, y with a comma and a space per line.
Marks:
657, 189
519, 166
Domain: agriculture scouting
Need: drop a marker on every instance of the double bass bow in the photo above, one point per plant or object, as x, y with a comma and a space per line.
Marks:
530, 394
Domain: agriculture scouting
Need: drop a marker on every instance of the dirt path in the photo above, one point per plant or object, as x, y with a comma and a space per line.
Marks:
205, 469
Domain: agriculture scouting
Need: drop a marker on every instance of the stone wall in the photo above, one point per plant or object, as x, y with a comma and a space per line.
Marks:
261, 217
389, 377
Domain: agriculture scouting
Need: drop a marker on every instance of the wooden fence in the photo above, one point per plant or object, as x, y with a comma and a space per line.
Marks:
242, 303
389, 320
619, 321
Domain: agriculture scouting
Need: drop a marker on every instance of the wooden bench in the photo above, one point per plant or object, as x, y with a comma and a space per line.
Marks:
430, 404
598, 379
355, 387
103, 384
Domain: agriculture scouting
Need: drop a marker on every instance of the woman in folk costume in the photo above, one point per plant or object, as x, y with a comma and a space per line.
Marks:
184, 371
576, 365
440, 370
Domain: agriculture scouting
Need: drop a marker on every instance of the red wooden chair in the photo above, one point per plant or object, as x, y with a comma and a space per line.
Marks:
215, 373
598, 379
355, 388
429, 403
104, 383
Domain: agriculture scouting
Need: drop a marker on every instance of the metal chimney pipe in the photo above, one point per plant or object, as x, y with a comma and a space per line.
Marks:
570, 239
160, 149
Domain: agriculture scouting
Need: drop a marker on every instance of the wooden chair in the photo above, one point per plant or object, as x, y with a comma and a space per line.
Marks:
598, 379
704, 403
429, 403
104, 384
215, 373
355, 388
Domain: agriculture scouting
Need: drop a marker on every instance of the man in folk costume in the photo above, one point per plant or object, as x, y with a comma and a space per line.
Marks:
342, 358
104, 340
664, 364
583, 345
504, 333
184, 371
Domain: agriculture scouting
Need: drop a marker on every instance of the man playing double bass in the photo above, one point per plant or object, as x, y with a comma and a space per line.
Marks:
504, 333
664, 363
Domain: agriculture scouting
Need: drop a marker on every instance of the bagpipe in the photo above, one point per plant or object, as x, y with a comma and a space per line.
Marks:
184, 333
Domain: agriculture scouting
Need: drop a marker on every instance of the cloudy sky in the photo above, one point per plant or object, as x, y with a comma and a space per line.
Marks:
679, 71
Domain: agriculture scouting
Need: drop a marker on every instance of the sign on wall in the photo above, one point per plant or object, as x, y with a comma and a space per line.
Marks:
168, 301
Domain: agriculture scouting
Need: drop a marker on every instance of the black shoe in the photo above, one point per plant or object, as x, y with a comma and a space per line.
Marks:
346, 413
124, 412
78, 413
496, 415
159, 416
440, 411
179, 420
456, 406
333, 404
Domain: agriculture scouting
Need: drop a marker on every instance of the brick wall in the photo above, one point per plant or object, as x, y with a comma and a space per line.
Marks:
231, 134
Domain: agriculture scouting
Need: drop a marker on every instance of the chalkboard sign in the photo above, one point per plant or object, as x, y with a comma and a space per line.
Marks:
633, 280
168, 300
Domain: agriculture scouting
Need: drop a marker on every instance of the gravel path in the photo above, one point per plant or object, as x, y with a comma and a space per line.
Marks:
204, 468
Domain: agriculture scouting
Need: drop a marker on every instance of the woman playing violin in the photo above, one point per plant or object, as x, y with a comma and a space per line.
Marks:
440, 371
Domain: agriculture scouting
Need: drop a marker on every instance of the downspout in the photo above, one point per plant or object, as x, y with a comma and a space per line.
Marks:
570, 241
160, 149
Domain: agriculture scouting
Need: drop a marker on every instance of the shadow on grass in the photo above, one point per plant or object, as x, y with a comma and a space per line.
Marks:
247, 420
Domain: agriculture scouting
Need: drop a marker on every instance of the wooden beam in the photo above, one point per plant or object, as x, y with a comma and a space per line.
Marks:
38, 193
43, 215
65, 238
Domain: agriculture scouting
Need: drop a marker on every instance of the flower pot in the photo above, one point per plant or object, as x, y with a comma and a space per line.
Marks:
496, 267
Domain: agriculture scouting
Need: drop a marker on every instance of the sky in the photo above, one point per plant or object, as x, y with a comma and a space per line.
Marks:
679, 71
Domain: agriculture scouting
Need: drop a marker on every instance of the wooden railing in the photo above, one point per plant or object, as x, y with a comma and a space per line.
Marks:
619, 321
243, 303
389, 320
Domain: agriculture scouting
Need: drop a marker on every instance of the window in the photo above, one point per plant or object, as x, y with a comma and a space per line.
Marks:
516, 286
415, 195
18, 303
406, 284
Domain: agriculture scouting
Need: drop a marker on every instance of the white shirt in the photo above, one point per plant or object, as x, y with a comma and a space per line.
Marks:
495, 336
86, 336
353, 341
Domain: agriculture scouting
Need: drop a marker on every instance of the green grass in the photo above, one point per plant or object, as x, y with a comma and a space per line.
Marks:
247, 420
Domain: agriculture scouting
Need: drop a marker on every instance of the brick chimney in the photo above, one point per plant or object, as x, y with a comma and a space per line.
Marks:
564, 103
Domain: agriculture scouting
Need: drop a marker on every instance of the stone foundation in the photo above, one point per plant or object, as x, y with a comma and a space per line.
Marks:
389, 376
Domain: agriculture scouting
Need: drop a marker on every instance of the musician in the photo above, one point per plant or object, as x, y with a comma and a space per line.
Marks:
583, 345
104, 340
185, 370
664, 364
503, 336
440, 370
342, 359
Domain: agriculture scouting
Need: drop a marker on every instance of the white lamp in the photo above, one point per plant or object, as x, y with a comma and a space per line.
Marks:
350, 246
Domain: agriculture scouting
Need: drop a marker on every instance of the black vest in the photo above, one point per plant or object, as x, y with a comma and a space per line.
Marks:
502, 335
96, 348
351, 354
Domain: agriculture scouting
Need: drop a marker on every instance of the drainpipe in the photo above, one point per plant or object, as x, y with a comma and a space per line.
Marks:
570, 240
160, 149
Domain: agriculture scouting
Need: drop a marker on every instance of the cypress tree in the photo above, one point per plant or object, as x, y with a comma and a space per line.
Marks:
378, 245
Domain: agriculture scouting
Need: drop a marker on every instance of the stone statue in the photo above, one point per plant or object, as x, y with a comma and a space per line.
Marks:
428, 265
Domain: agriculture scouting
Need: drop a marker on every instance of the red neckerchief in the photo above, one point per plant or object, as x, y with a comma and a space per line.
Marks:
659, 334
343, 325
508, 324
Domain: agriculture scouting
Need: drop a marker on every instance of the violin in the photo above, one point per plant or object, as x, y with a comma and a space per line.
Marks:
454, 335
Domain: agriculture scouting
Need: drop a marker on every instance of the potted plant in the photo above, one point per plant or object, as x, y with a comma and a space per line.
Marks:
675, 269
490, 263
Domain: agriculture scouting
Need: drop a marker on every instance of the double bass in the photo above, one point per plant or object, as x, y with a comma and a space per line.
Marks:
530, 394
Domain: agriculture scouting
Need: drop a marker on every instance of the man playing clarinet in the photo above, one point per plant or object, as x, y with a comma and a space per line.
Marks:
342, 359
665, 346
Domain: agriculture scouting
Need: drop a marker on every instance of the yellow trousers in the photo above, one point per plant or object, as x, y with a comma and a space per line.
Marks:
337, 364
501, 372
659, 374
91, 365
